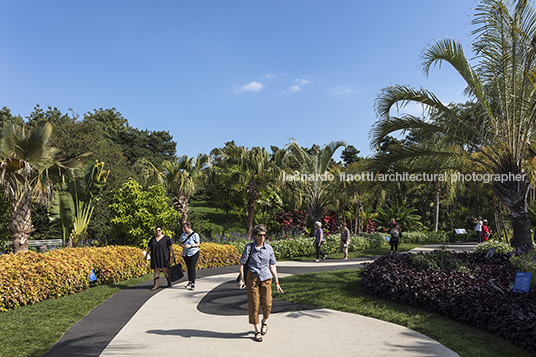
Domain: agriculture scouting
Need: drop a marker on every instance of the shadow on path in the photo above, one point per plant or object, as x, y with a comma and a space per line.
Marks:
189, 333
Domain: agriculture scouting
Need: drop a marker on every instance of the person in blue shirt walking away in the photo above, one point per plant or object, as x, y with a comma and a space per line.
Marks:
260, 259
190, 242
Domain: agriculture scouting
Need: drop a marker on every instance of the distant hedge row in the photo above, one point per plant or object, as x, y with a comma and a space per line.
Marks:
30, 277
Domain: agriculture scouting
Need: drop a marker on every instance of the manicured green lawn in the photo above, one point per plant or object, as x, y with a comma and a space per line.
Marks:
217, 217
341, 290
33, 330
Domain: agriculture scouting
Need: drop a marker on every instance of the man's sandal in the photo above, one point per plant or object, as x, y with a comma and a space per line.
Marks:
258, 337
264, 328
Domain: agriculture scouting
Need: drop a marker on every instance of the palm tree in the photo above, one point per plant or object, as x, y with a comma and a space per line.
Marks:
255, 172
29, 170
181, 179
311, 167
502, 87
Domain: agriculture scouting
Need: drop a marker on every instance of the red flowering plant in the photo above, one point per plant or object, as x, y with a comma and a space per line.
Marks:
330, 222
291, 221
371, 226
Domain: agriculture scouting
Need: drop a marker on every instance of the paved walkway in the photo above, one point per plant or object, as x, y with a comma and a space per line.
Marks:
212, 321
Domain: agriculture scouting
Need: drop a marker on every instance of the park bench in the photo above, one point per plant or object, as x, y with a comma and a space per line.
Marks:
47, 242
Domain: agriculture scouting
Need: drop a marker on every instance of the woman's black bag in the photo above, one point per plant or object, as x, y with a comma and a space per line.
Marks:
246, 266
175, 272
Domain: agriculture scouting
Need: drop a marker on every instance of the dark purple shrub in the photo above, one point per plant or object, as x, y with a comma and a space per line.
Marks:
480, 296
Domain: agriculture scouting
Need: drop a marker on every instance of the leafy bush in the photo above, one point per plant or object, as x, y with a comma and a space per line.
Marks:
137, 212
294, 221
302, 245
481, 298
424, 237
30, 277
403, 215
373, 240
439, 259
211, 255
502, 247
525, 261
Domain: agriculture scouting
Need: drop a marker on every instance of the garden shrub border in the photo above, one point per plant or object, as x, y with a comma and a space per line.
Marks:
481, 297
29, 277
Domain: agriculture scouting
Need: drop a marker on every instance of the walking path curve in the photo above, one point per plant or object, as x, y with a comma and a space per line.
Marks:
212, 321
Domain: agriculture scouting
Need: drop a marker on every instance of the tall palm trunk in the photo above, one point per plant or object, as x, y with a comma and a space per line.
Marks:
180, 204
316, 213
252, 192
496, 216
513, 194
21, 226
436, 205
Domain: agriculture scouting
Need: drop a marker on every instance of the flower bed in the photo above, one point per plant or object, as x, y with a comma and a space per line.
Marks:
30, 277
465, 287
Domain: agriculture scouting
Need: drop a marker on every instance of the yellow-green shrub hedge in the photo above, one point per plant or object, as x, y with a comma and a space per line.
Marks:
211, 255
29, 277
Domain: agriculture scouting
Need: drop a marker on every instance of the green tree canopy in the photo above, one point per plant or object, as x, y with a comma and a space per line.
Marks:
136, 212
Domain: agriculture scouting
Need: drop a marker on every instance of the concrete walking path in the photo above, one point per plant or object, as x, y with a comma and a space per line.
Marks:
212, 321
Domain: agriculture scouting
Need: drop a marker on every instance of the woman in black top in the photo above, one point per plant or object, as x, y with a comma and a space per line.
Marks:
159, 247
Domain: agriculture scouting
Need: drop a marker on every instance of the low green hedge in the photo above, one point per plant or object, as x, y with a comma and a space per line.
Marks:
302, 246
502, 247
30, 277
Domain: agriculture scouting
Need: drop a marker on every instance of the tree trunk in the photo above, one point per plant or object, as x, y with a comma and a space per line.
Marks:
513, 194
358, 222
21, 226
496, 216
252, 192
436, 205
180, 204
316, 213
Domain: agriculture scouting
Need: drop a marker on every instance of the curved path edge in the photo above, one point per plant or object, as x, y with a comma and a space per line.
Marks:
94, 333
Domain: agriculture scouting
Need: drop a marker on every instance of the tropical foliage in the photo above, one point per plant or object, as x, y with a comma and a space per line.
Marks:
29, 170
496, 137
137, 212
402, 214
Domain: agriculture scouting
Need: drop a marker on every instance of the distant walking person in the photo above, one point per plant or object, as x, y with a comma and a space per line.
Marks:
485, 230
345, 240
260, 258
319, 239
478, 229
190, 242
158, 249
395, 236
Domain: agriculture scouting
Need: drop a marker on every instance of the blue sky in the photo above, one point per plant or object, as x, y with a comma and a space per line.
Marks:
258, 71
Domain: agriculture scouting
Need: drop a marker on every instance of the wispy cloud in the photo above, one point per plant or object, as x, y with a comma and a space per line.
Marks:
302, 81
340, 90
295, 89
250, 87
269, 76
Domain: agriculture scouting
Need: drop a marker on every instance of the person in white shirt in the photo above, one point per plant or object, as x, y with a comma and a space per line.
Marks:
478, 229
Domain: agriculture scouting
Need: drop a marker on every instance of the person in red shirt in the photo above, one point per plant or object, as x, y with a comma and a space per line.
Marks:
485, 230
